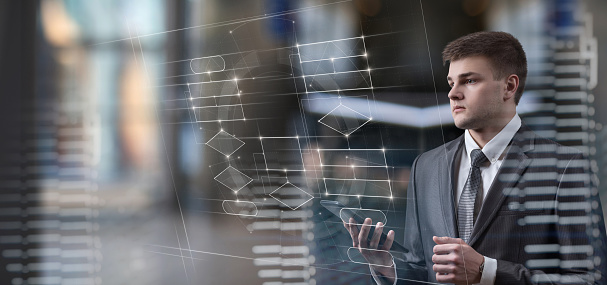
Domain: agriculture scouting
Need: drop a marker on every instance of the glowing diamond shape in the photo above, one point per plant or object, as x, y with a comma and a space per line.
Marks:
291, 196
344, 120
233, 179
225, 143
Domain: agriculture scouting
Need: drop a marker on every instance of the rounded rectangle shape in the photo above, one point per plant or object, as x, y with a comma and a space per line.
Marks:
376, 215
207, 64
239, 208
355, 255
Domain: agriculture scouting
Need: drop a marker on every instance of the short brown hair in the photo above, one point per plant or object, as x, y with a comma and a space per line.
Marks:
503, 50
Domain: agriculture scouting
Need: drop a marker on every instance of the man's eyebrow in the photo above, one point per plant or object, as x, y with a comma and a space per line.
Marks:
463, 75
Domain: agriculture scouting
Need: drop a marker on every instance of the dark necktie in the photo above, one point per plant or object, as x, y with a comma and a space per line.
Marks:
471, 199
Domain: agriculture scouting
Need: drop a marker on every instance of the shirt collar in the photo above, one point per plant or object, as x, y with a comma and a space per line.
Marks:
496, 146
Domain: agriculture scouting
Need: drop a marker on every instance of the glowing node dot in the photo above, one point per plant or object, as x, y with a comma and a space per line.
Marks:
347, 135
391, 197
383, 149
365, 54
331, 59
193, 108
318, 149
358, 196
285, 170
371, 118
230, 32
191, 98
227, 156
259, 138
352, 166
221, 130
327, 193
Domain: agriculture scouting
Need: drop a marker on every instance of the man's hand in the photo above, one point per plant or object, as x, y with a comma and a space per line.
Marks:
380, 259
455, 261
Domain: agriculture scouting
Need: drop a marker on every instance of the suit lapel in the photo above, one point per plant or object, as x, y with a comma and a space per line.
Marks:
513, 167
446, 168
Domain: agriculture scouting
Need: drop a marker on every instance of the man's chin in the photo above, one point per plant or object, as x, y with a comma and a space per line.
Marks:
463, 124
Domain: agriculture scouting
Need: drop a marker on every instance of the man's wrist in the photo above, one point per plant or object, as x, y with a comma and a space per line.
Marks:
386, 271
489, 271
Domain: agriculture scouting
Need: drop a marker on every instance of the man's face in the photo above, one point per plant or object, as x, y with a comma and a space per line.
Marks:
476, 98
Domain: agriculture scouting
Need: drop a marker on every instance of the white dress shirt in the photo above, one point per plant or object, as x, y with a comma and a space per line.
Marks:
495, 151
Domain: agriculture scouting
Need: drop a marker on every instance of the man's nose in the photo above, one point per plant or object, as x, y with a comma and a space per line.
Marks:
455, 93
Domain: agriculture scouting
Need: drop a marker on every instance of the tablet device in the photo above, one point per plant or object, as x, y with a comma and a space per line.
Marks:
344, 214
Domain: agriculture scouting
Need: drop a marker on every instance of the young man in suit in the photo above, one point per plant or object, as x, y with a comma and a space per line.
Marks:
498, 205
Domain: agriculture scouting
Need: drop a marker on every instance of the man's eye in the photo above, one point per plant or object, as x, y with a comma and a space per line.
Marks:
450, 85
470, 81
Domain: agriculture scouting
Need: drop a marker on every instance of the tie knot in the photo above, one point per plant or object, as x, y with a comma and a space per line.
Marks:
477, 157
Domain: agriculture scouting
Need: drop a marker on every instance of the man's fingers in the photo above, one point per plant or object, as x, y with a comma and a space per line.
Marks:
446, 248
389, 240
444, 268
379, 228
447, 240
364, 232
445, 278
353, 230
445, 259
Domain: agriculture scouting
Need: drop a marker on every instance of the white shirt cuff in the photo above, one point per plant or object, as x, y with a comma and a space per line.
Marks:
489, 272
379, 280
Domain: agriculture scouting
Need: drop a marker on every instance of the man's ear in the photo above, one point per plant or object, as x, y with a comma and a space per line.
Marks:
512, 82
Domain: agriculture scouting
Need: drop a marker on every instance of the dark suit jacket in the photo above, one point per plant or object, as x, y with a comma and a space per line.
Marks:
540, 219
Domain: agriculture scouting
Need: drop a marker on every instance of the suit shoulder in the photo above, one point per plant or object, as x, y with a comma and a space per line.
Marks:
547, 146
439, 152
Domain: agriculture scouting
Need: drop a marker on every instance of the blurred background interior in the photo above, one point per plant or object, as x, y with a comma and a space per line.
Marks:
187, 141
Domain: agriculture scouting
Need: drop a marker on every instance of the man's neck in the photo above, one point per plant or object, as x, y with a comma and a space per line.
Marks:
483, 135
